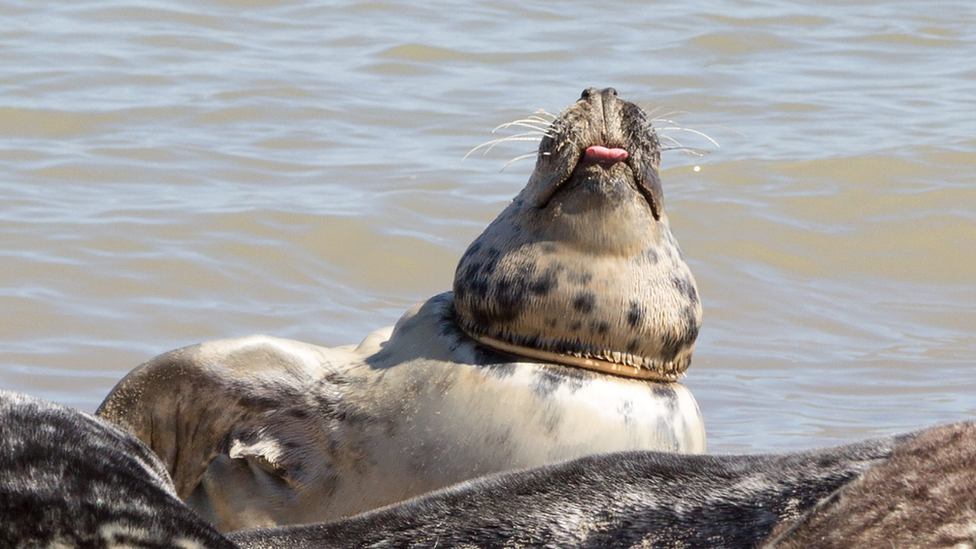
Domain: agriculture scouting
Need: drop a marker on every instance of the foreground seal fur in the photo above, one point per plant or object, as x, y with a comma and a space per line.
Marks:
582, 268
68, 479
262, 431
916, 490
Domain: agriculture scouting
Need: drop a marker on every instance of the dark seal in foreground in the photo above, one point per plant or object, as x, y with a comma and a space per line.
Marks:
582, 268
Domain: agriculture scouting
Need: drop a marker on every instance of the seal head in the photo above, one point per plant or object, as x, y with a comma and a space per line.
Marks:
581, 268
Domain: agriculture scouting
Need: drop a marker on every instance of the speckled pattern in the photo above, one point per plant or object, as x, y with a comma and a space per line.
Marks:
68, 479
583, 262
261, 431
624, 500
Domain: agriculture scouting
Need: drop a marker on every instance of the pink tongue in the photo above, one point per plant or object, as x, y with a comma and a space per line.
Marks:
596, 153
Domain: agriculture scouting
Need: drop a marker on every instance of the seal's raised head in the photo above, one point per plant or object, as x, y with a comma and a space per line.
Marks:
582, 268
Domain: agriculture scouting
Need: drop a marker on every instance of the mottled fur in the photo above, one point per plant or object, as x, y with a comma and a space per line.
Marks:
68, 479
923, 497
583, 262
262, 431
640, 499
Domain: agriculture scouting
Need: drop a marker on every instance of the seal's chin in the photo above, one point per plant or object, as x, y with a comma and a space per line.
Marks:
606, 157
587, 363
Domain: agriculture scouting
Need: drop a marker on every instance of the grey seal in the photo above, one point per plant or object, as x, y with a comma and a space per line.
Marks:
582, 267
914, 490
262, 431
68, 479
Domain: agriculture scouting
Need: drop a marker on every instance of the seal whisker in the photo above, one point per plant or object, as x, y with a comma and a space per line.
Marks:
671, 139
544, 115
489, 145
516, 159
524, 124
689, 130
690, 150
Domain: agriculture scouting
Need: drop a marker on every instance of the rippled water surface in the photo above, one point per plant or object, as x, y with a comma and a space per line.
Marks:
173, 172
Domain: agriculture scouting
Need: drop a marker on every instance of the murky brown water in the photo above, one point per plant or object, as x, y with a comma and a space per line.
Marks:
173, 172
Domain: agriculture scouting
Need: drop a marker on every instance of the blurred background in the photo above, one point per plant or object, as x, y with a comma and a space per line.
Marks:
172, 172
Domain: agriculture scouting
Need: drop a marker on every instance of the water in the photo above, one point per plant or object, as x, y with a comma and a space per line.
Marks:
173, 172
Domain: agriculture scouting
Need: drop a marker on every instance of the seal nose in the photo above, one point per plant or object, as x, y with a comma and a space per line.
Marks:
605, 92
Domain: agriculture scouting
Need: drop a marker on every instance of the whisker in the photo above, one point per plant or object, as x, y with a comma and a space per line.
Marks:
523, 123
516, 159
670, 114
669, 138
690, 150
543, 114
689, 130
489, 145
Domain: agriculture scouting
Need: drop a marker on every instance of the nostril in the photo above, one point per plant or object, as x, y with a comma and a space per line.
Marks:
588, 93
612, 91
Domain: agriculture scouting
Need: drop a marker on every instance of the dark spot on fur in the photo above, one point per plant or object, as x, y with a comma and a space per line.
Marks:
684, 286
664, 393
498, 369
553, 376
651, 255
584, 302
633, 346
600, 327
547, 248
547, 282
575, 325
626, 409
635, 316
545, 384
580, 278
551, 322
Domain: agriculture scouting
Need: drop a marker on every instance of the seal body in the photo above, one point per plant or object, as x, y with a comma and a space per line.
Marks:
875, 493
575, 289
68, 479
261, 431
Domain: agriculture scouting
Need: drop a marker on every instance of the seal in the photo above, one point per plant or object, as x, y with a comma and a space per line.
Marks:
582, 267
912, 490
68, 479
260, 431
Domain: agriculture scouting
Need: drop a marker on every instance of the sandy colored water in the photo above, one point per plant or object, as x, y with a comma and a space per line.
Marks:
174, 172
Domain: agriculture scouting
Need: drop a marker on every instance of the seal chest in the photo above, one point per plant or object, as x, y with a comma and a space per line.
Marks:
582, 268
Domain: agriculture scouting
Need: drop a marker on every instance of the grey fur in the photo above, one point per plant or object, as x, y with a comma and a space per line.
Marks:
924, 496
68, 479
637, 499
